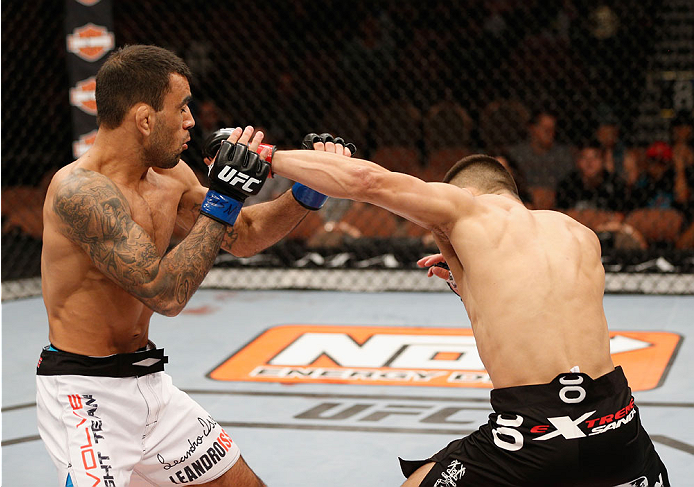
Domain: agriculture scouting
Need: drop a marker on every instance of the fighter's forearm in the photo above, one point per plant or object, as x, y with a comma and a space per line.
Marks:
183, 268
262, 225
331, 174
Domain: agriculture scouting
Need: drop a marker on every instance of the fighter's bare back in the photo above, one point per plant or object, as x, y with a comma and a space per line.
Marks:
532, 284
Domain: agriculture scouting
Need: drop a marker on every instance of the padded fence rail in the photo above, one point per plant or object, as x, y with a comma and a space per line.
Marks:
371, 281
589, 104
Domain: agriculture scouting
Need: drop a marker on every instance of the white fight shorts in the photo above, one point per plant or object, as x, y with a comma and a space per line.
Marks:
119, 421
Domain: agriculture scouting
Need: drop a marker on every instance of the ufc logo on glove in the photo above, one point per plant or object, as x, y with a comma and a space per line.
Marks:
233, 177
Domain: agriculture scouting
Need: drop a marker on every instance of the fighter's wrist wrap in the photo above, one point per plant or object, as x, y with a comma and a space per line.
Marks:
307, 197
222, 208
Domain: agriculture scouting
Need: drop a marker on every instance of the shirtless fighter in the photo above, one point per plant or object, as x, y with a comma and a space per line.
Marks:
107, 412
532, 283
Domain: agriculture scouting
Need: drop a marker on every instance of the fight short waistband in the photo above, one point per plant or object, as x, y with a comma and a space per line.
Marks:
135, 364
608, 385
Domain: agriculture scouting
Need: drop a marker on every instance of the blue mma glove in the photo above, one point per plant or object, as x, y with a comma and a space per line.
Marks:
305, 196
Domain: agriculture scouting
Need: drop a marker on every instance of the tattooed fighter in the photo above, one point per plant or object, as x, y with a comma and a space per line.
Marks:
106, 410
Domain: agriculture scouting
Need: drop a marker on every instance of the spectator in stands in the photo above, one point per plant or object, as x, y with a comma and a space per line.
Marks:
682, 130
633, 165
682, 134
591, 185
612, 148
659, 197
663, 184
542, 159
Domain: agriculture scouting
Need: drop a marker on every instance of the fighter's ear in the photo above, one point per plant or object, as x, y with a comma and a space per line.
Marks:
144, 118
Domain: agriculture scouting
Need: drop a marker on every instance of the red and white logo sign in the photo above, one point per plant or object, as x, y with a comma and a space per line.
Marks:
409, 356
84, 143
90, 42
83, 96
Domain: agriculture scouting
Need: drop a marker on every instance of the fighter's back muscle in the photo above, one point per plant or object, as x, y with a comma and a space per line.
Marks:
85, 307
531, 281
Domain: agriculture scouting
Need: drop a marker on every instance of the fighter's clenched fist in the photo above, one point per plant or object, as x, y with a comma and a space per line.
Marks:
236, 173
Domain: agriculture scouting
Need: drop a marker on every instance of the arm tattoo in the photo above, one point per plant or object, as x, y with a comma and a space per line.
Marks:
96, 216
230, 238
189, 262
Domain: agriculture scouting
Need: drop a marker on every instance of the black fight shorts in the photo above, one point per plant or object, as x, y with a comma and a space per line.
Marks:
574, 431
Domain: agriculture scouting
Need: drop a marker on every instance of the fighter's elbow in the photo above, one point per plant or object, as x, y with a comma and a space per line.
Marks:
167, 302
168, 307
365, 181
171, 311
245, 251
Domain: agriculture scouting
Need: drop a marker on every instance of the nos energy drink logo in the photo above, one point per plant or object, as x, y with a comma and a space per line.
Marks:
409, 356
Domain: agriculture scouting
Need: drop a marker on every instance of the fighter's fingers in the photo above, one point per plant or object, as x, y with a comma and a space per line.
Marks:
329, 146
339, 145
235, 134
245, 136
265, 153
440, 272
318, 146
430, 260
257, 139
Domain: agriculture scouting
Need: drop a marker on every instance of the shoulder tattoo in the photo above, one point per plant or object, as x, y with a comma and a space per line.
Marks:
95, 214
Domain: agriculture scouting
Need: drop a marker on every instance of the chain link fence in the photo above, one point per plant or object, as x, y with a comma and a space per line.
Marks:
588, 103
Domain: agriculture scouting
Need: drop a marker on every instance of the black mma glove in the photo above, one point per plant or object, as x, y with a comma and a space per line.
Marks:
305, 196
236, 173
213, 141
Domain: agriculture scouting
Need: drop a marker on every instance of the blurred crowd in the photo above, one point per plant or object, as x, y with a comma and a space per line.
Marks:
633, 197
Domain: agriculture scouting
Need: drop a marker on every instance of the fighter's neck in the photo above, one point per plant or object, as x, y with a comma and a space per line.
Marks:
115, 155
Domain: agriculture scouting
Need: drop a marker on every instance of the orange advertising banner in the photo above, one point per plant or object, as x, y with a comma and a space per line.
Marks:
411, 356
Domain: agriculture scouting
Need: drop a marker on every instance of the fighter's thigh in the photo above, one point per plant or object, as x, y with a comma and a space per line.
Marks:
91, 427
185, 445
416, 478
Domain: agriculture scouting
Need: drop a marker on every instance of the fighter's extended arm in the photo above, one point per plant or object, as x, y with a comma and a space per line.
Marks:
95, 215
261, 225
431, 205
